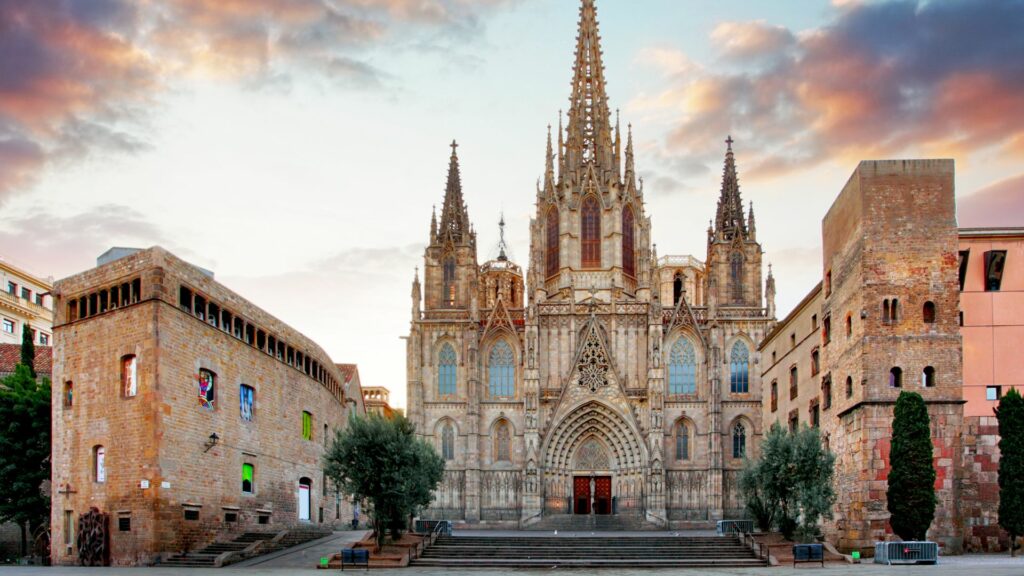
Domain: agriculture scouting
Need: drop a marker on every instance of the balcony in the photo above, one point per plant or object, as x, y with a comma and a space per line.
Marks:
25, 306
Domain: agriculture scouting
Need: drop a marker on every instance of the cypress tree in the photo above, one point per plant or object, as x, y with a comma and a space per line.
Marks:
1011, 465
28, 349
911, 493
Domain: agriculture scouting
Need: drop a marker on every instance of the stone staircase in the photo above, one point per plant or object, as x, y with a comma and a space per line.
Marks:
596, 522
207, 557
604, 551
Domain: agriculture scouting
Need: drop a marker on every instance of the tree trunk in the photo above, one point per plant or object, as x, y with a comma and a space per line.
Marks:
24, 538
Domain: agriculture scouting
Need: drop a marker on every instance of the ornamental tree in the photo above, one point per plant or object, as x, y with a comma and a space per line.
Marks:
380, 460
1011, 465
911, 492
28, 349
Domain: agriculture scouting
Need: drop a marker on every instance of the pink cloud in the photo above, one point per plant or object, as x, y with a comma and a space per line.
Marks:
1000, 204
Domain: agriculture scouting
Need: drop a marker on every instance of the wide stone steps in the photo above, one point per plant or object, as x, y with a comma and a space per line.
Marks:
603, 523
207, 557
596, 551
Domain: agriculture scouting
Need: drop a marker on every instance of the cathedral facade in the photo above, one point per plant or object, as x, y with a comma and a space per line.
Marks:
607, 380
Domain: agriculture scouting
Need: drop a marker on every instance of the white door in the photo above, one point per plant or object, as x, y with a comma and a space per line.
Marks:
303, 502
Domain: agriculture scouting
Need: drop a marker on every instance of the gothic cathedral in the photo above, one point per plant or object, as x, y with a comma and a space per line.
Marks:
611, 381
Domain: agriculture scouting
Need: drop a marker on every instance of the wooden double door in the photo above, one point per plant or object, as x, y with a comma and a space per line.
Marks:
602, 494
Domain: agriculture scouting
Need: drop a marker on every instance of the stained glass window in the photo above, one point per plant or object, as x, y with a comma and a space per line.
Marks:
739, 441
446, 370
552, 244
247, 396
448, 441
129, 376
247, 479
591, 233
682, 442
207, 388
307, 426
502, 370
628, 259
739, 376
501, 443
682, 368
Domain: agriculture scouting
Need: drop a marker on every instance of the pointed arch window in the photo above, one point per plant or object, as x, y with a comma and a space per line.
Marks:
739, 369
552, 242
448, 441
502, 443
736, 276
501, 370
677, 289
739, 441
628, 243
682, 368
449, 281
446, 370
590, 224
682, 441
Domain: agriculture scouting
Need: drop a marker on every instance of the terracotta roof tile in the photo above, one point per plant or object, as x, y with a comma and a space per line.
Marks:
10, 355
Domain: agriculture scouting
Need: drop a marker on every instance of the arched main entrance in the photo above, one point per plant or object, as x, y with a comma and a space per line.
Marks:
593, 463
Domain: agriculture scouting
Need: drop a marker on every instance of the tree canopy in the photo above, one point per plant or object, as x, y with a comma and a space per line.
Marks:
911, 494
790, 485
28, 349
1011, 465
380, 460
24, 448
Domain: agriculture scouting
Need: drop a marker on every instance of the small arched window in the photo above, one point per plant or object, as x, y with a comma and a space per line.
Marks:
736, 276
849, 386
207, 389
682, 368
677, 290
895, 313
628, 243
449, 281
446, 370
129, 376
886, 312
69, 394
590, 233
682, 441
739, 369
794, 382
501, 371
502, 441
775, 395
448, 441
552, 242
99, 464
928, 312
849, 325
826, 393
896, 377
248, 484
815, 362
928, 377
739, 441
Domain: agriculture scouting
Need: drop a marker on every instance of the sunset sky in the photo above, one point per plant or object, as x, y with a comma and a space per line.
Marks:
296, 147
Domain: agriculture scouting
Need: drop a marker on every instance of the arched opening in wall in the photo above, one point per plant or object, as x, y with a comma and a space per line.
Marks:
739, 440
885, 311
552, 242
446, 370
246, 401
896, 377
502, 442
69, 394
682, 368
928, 312
736, 276
305, 495
501, 370
677, 289
849, 386
99, 464
448, 441
739, 368
628, 243
849, 325
682, 441
590, 233
129, 376
207, 389
928, 377
449, 281
826, 392
248, 478
895, 315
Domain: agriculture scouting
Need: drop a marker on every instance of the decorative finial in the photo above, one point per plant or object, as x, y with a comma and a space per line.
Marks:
501, 239
454, 145
728, 142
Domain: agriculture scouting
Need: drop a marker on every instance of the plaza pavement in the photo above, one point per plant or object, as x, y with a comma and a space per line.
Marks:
303, 560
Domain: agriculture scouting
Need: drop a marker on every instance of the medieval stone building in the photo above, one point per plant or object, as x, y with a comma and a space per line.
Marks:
611, 381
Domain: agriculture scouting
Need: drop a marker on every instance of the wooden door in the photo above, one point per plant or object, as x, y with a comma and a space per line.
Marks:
603, 495
581, 495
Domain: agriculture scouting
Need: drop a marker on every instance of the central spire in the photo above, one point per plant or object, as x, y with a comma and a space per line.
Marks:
454, 216
729, 220
589, 139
